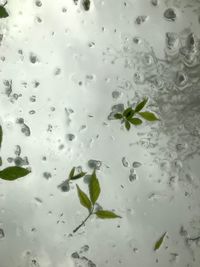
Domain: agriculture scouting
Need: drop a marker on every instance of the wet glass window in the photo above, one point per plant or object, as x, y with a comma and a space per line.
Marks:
99, 133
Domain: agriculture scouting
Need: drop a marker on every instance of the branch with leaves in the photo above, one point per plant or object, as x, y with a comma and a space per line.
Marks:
89, 202
13, 172
128, 116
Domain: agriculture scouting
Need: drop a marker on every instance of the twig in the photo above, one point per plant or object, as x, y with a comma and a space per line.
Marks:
83, 222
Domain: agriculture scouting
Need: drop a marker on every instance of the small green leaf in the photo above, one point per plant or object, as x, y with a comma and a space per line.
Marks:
13, 173
118, 116
106, 214
1, 135
149, 116
3, 12
79, 175
129, 112
127, 125
135, 121
84, 199
159, 242
94, 188
71, 174
86, 4
141, 105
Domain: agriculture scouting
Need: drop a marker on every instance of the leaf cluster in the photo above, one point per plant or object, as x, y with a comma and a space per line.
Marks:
89, 201
129, 115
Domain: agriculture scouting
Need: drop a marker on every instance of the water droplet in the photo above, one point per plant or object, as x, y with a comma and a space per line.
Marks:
94, 164
47, 175
140, 19
2, 234
172, 40
64, 9
181, 147
57, 71
136, 164
116, 94
132, 175
125, 162
170, 14
70, 137
38, 3
154, 2
33, 58
26, 130
192, 42
39, 200
64, 186
181, 79
75, 255
21, 161
18, 150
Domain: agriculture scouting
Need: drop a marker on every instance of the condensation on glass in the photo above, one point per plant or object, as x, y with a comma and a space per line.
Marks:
66, 67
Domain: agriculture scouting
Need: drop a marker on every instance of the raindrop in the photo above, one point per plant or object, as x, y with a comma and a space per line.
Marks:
31, 112
70, 137
181, 78
170, 14
26, 130
17, 150
20, 120
38, 19
132, 175
21, 161
2, 234
57, 71
33, 98
64, 9
125, 162
154, 2
64, 186
116, 94
94, 164
38, 3
33, 58
47, 175
75, 255
91, 44
192, 42
140, 19
136, 164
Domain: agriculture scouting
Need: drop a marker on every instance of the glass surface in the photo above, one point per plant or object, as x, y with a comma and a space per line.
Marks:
66, 68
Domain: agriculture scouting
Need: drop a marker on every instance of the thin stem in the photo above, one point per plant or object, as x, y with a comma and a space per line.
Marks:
83, 222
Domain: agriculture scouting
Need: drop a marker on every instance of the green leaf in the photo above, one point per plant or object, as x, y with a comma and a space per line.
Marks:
71, 174
159, 242
84, 199
13, 173
3, 12
135, 121
94, 188
129, 112
127, 125
149, 116
118, 116
1, 135
106, 214
79, 175
141, 105
86, 4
